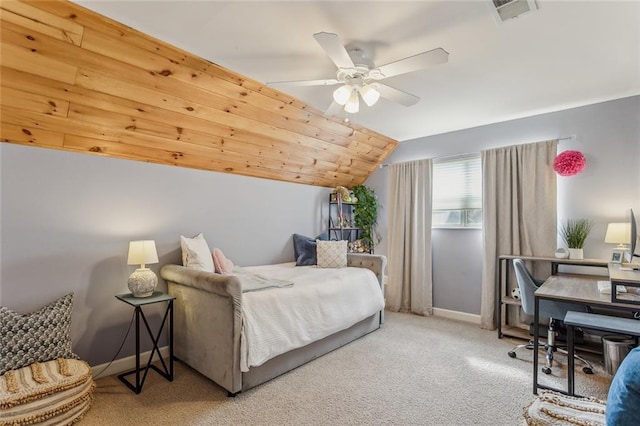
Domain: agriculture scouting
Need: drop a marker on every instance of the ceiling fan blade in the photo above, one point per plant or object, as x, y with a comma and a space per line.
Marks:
329, 82
335, 49
396, 95
334, 109
414, 63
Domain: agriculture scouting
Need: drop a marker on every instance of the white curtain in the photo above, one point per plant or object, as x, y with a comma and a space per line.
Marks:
519, 210
410, 284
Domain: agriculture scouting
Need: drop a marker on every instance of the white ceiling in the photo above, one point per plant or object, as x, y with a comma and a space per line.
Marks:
565, 54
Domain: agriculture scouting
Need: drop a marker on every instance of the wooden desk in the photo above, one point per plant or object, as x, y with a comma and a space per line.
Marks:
580, 290
630, 279
502, 284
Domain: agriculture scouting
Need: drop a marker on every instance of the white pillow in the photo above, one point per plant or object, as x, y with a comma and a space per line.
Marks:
196, 253
332, 254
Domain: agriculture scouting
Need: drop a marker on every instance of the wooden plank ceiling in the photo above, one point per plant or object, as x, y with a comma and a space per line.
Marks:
77, 81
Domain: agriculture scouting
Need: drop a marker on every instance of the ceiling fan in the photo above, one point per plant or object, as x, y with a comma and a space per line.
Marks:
360, 78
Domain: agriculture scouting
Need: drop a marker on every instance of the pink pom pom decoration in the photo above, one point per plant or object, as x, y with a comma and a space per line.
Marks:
569, 163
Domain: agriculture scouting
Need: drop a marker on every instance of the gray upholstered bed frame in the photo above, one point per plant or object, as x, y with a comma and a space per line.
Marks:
208, 318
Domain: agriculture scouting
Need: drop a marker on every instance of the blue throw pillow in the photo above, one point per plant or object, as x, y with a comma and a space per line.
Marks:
623, 402
304, 249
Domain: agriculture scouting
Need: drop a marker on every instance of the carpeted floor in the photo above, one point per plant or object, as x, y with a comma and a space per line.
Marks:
413, 371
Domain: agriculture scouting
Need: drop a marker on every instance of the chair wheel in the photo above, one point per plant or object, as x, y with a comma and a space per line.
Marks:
587, 370
546, 370
512, 354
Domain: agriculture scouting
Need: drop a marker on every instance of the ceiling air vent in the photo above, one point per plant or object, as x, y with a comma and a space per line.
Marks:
506, 9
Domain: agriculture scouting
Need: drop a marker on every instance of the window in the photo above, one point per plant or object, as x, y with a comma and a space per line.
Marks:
457, 192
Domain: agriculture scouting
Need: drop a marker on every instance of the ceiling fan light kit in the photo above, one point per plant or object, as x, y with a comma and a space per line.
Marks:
347, 96
360, 77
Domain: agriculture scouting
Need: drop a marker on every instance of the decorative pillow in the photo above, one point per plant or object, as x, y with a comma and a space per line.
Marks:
196, 253
36, 337
332, 254
304, 249
623, 401
223, 265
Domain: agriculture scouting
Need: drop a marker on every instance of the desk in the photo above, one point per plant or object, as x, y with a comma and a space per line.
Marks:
580, 290
137, 303
504, 299
628, 278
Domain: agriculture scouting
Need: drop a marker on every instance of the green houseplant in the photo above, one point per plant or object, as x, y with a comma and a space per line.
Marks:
365, 215
574, 234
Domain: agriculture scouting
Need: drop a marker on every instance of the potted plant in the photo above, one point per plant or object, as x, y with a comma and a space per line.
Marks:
574, 234
365, 215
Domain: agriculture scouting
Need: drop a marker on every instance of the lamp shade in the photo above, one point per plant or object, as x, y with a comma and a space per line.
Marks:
341, 94
618, 233
369, 95
353, 104
142, 253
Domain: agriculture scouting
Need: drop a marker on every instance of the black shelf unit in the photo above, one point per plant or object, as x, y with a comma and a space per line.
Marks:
342, 229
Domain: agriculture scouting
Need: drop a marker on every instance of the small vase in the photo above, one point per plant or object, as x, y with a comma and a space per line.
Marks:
576, 253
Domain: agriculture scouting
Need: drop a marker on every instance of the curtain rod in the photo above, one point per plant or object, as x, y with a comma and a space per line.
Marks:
565, 138
444, 157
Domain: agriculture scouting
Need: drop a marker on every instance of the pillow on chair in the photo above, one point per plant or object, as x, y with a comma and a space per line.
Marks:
623, 402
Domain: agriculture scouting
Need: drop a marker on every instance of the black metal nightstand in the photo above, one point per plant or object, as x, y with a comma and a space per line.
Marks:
137, 303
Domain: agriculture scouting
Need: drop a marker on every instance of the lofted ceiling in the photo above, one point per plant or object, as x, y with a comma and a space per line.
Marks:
565, 54
77, 81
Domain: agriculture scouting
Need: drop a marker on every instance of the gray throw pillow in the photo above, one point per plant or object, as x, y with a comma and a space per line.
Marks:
304, 249
40, 336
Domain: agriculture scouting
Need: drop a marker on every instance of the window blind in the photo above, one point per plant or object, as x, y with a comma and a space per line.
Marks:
457, 183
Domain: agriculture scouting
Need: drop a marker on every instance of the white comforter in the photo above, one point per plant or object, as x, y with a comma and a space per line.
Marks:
321, 302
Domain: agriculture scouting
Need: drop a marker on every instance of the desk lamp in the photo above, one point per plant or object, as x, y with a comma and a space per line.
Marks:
618, 233
143, 281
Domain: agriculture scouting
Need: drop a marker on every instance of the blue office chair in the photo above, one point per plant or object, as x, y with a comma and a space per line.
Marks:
548, 309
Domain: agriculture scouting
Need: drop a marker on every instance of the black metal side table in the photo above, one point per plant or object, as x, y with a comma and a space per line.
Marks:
137, 303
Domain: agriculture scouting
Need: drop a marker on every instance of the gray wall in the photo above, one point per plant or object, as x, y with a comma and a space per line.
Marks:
67, 219
607, 133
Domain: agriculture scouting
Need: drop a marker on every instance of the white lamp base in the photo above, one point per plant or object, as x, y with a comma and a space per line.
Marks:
142, 282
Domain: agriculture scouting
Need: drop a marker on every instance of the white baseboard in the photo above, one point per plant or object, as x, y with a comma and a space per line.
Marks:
460, 316
128, 363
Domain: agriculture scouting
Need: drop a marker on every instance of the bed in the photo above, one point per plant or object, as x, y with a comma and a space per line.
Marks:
242, 339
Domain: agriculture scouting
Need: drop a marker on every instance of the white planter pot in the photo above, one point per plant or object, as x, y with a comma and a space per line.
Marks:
575, 253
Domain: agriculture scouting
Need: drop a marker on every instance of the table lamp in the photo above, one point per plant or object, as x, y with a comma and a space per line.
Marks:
618, 233
142, 282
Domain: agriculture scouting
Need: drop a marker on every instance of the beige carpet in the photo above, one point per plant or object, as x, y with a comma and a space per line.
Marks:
414, 371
